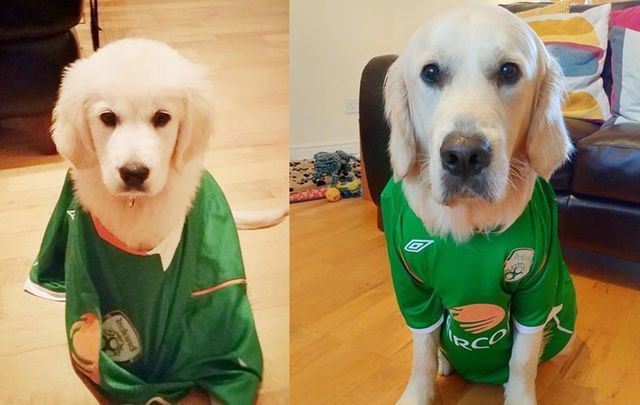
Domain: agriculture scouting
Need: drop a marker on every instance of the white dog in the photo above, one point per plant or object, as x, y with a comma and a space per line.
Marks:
474, 106
142, 244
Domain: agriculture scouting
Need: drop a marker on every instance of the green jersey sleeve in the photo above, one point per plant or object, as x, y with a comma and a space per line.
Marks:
229, 368
421, 308
46, 278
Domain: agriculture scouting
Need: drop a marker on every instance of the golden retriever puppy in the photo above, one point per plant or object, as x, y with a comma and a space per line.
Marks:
142, 244
474, 106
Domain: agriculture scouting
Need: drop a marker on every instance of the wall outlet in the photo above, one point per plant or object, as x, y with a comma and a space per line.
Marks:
351, 106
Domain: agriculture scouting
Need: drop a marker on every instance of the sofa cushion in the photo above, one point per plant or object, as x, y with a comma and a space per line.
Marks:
577, 8
578, 41
578, 129
625, 67
563, 6
626, 17
607, 164
602, 226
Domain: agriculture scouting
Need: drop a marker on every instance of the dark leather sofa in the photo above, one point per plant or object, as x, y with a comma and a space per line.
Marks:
598, 191
36, 43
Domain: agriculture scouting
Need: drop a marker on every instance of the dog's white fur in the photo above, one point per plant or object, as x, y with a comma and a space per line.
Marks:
135, 78
523, 124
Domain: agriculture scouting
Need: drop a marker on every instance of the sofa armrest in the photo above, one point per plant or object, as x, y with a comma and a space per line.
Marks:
578, 129
608, 162
374, 131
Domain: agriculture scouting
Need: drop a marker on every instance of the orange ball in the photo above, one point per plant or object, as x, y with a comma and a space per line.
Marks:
332, 194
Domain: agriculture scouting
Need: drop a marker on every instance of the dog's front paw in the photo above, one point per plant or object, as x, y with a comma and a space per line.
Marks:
444, 367
418, 392
412, 400
520, 400
516, 394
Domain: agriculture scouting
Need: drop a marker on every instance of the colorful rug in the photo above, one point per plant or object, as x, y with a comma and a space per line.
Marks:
301, 184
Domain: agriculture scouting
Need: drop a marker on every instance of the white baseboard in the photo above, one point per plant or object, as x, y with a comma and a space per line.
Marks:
307, 151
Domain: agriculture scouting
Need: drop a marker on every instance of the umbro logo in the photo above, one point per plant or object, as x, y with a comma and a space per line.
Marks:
72, 214
416, 245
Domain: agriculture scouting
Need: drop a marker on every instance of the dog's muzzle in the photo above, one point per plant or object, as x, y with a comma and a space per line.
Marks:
465, 158
134, 175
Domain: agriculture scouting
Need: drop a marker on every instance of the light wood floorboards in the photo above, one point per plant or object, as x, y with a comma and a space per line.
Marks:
349, 344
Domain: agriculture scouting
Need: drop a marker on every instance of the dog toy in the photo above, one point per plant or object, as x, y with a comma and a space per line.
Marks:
350, 188
316, 193
332, 194
332, 164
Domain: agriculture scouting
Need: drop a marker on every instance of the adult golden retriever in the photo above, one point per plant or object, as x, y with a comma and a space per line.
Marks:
474, 107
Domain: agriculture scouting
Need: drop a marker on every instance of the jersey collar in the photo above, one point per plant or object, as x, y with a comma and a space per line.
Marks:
166, 248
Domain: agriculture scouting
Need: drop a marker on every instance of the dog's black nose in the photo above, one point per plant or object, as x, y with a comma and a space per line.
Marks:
133, 174
465, 155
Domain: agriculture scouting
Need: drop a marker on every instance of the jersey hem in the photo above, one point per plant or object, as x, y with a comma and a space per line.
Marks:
527, 330
42, 292
428, 329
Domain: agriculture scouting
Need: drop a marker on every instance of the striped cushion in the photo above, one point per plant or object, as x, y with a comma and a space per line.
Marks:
578, 41
626, 17
625, 68
560, 7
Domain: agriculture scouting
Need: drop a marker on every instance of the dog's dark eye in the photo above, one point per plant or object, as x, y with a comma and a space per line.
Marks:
160, 119
109, 118
431, 74
509, 73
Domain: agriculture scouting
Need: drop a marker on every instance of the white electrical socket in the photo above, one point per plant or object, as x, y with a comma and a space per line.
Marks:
351, 106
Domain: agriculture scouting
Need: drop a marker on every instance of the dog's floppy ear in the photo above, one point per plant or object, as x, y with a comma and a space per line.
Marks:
70, 130
402, 143
548, 143
197, 125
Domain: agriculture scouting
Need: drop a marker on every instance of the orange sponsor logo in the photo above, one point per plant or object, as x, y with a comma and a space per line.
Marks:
85, 345
478, 318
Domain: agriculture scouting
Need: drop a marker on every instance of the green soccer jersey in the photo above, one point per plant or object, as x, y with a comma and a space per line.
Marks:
145, 327
478, 290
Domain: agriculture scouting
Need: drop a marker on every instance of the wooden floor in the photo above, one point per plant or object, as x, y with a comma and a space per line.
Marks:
245, 45
349, 344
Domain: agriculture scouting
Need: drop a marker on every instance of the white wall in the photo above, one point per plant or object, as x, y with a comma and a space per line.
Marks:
331, 42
